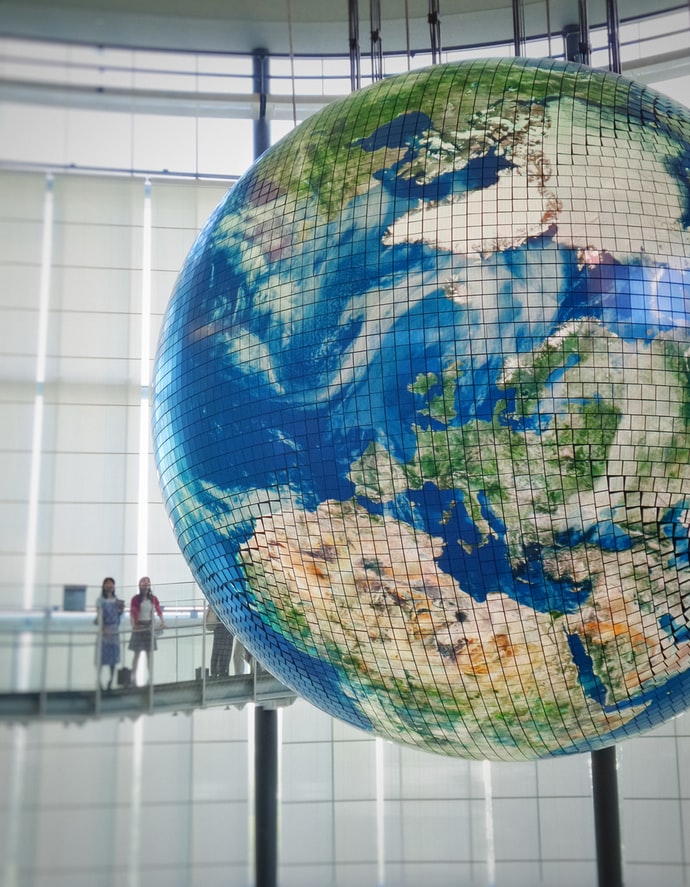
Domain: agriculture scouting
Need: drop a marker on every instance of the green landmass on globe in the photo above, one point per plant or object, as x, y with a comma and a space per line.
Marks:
422, 409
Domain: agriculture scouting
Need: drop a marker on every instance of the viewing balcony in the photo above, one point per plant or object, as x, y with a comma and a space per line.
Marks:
48, 669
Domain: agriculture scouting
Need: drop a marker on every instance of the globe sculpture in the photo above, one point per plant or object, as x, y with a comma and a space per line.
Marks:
422, 409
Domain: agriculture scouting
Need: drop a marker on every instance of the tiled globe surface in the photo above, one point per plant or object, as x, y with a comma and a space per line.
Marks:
422, 409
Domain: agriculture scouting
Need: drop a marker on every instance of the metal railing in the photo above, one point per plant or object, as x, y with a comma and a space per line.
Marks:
49, 667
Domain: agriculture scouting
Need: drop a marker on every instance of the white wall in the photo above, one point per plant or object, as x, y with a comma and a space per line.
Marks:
166, 801
77, 478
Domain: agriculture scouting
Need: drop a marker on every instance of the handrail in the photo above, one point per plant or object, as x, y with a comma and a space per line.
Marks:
51, 649
48, 667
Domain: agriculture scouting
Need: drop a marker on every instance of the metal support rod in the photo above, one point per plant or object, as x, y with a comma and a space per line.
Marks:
548, 25
266, 788
606, 818
519, 27
43, 698
265, 720
576, 37
376, 43
434, 20
260, 83
355, 52
613, 36
583, 21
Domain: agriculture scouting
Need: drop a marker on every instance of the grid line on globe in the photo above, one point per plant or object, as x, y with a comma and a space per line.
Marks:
422, 409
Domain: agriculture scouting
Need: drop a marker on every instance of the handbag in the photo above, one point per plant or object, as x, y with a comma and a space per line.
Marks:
124, 676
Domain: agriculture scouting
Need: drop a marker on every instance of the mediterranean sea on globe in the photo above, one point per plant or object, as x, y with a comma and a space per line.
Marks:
422, 409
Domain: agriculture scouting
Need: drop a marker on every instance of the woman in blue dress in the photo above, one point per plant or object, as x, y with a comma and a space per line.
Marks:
109, 609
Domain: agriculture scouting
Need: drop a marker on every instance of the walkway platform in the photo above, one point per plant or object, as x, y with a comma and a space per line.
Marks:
186, 696
47, 670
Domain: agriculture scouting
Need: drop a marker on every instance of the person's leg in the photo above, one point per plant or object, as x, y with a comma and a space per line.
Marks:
149, 653
237, 657
149, 667
223, 663
223, 645
135, 663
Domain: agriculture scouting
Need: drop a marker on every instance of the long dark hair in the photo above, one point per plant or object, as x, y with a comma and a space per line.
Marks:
149, 591
107, 579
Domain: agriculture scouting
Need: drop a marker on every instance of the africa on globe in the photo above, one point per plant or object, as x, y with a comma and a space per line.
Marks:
422, 409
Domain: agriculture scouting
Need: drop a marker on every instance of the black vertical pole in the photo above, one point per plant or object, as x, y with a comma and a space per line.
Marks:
434, 20
606, 818
583, 20
519, 28
260, 82
266, 788
265, 720
376, 44
576, 37
355, 54
613, 36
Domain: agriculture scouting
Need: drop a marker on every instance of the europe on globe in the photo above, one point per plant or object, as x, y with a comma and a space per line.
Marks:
422, 409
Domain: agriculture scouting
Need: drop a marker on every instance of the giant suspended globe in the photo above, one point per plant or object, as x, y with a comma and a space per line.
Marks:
422, 409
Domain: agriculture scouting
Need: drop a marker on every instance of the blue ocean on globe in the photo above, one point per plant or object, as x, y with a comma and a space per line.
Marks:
422, 409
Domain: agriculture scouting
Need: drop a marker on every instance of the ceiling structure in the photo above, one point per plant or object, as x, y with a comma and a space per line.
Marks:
284, 27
